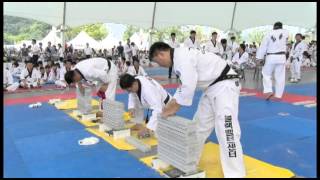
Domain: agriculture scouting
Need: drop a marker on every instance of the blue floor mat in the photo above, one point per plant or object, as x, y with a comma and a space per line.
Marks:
49, 148
309, 89
157, 71
59, 155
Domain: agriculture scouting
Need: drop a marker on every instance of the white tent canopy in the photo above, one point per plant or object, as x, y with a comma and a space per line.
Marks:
222, 15
109, 42
52, 37
79, 42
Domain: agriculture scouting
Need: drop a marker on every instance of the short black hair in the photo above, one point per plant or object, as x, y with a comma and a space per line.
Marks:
15, 63
277, 25
47, 66
73, 63
40, 62
128, 63
134, 58
223, 41
158, 46
68, 77
173, 34
214, 33
299, 34
242, 46
41, 68
233, 37
193, 32
57, 64
126, 81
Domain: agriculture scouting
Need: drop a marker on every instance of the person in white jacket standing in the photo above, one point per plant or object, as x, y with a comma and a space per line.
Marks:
296, 56
218, 105
273, 50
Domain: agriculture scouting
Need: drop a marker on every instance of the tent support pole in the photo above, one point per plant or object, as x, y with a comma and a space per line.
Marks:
152, 25
233, 14
63, 25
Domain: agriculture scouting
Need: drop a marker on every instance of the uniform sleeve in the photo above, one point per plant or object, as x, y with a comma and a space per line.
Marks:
262, 50
207, 49
188, 77
131, 101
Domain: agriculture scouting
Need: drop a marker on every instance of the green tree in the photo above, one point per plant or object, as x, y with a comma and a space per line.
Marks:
129, 32
256, 36
17, 29
96, 31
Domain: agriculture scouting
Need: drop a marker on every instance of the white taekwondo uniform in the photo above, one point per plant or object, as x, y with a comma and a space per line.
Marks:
273, 49
226, 54
102, 71
133, 72
214, 47
234, 46
188, 43
240, 59
218, 106
296, 54
173, 44
31, 77
127, 52
151, 96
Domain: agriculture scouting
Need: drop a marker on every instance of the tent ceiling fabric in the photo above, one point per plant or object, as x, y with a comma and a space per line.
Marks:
215, 14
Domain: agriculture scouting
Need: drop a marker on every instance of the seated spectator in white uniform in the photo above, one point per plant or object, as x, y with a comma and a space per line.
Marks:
192, 42
54, 74
233, 45
213, 45
306, 61
67, 66
30, 76
136, 69
7, 78
226, 51
241, 57
43, 76
123, 66
15, 71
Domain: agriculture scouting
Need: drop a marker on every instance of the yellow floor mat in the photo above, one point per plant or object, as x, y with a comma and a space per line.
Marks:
72, 104
121, 144
210, 162
84, 122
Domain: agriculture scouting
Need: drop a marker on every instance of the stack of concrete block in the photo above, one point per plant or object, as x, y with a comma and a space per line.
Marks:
84, 101
113, 114
177, 143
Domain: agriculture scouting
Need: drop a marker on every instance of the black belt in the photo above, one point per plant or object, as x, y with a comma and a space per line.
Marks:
224, 76
167, 99
277, 53
165, 102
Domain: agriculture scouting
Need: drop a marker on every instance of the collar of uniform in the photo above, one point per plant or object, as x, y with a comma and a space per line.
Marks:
80, 73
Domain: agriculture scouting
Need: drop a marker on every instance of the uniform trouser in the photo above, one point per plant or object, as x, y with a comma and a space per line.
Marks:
295, 69
276, 64
218, 108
